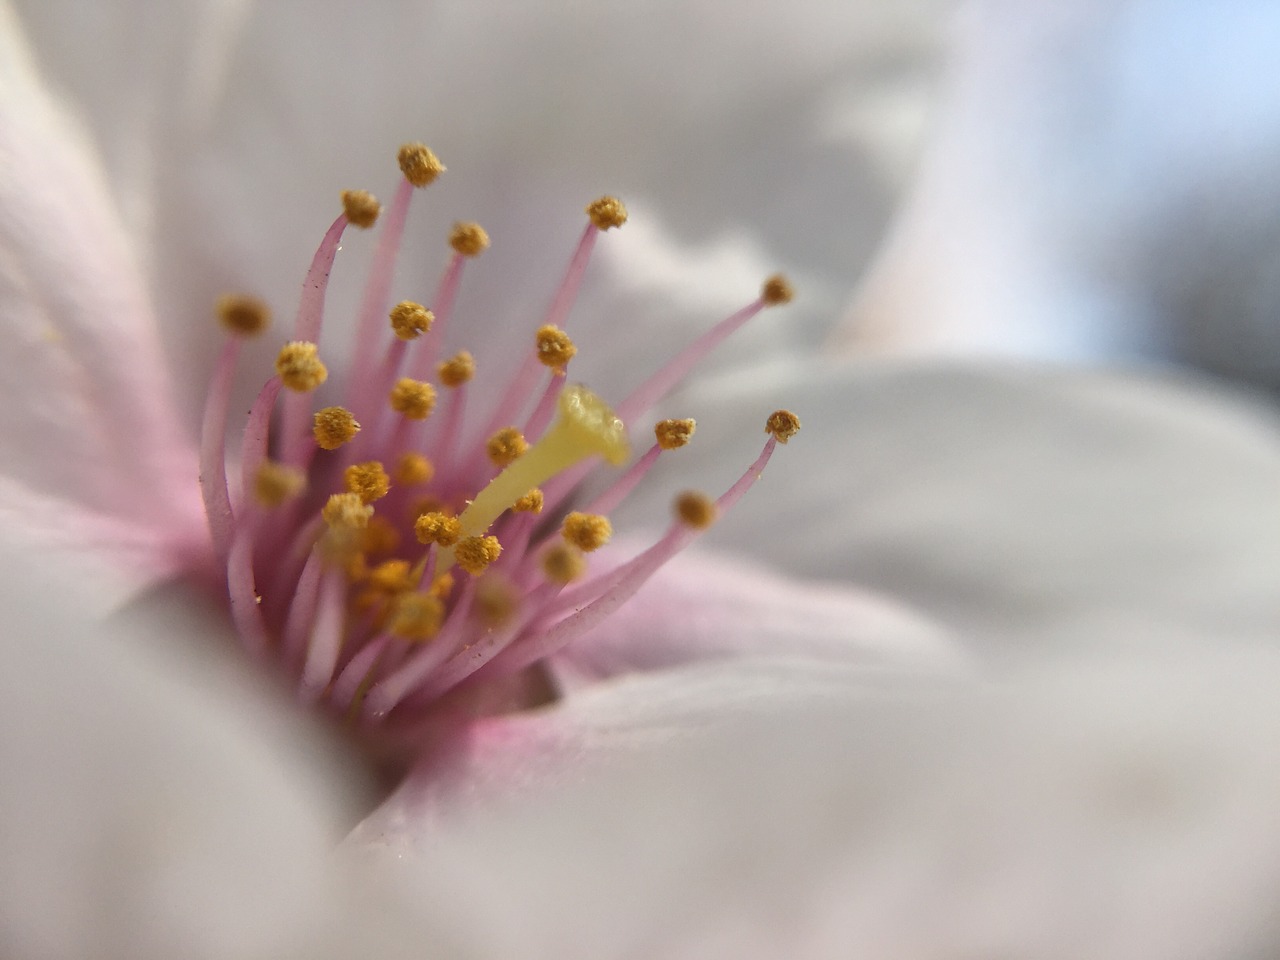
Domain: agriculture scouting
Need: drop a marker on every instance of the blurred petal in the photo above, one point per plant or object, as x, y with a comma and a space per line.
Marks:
94, 458
1111, 809
1021, 506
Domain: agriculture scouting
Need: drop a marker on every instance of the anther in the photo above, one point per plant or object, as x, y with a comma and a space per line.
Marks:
415, 399
299, 366
334, 426
457, 370
673, 434
474, 554
392, 576
346, 511
695, 510
586, 531
563, 564
506, 447
777, 290
243, 315
368, 481
417, 617
413, 470
468, 239
274, 483
783, 424
438, 528
418, 164
380, 536
361, 208
497, 601
554, 347
531, 502
410, 320
607, 212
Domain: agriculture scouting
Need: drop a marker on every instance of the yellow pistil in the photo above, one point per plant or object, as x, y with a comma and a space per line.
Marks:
334, 426
474, 554
607, 212
531, 502
673, 434
695, 510
361, 208
243, 315
563, 564
346, 511
410, 320
783, 424
413, 470
777, 290
438, 528
554, 347
506, 446
299, 366
457, 370
369, 481
497, 601
275, 483
415, 399
416, 617
392, 576
468, 239
418, 164
586, 531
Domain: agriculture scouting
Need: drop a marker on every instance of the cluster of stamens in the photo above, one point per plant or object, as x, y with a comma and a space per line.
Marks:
381, 553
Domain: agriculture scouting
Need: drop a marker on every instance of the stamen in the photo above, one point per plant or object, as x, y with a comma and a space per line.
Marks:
334, 426
369, 481
782, 424
554, 348
586, 531
474, 554
410, 320
275, 483
438, 528
414, 399
695, 510
531, 502
299, 367
468, 239
243, 315
346, 511
418, 164
418, 617
379, 536
607, 212
506, 447
361, 208
497, 601
563, 564
674, 434
457, 370
777, 290
392, 576
414, 470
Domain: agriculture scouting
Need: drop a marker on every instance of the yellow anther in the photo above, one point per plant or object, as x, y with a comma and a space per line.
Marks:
416, 616
274, 483
531, 502
380, 536
299, 366
243, 315
441, 586
392, 576
673, 434
334, 426
428, 505
607, 212
777, 290
437, 528
506, 446
457, 370
418, 164
361, 208
410, 320
468, 239
783, 424
346, 511
497, 601
413, 470
354, 565
474, 554
368, 481
586, 531
586, 427
562, 563
554, 347
695, 510
415, 399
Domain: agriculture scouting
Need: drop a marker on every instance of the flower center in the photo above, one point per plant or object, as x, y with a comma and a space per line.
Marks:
383, 555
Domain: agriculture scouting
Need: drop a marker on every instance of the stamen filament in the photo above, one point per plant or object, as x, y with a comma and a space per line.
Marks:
377, 299
213, 452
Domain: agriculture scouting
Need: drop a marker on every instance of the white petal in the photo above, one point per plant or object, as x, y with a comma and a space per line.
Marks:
94, 459
1019, 505
1111, 810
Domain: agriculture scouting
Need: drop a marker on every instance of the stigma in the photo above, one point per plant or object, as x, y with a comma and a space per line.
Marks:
382, 550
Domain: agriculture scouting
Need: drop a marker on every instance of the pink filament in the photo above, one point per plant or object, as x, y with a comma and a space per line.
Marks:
213, 452
377, 294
